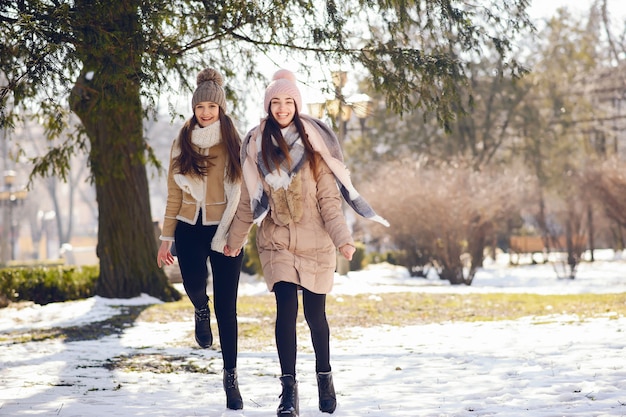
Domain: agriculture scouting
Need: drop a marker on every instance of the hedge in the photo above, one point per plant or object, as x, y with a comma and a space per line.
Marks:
44, 285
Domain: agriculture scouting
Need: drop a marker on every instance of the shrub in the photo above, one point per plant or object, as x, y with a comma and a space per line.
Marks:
358, 259
440, 215
44, 285
251, 262
391, 257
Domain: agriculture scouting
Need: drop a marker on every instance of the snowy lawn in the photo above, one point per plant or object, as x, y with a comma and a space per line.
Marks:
549, 365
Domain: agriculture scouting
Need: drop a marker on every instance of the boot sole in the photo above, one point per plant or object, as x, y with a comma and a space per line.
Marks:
204, 345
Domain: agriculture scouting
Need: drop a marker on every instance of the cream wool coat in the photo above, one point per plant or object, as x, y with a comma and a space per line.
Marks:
300, 250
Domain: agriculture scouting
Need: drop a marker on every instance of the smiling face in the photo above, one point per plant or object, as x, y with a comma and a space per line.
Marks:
283, 108
206, 113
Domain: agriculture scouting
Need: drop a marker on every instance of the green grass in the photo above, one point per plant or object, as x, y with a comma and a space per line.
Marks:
401, 309
257, 313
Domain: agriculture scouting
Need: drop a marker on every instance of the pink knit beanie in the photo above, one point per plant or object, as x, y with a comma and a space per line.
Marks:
283, 82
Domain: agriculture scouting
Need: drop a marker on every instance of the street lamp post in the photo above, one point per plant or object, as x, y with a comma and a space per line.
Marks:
340, 110
10, 198
361, 105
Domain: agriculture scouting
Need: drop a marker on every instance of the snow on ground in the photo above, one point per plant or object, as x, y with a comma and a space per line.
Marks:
551, 366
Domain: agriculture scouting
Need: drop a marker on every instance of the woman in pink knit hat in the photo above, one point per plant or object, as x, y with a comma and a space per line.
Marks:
293, 172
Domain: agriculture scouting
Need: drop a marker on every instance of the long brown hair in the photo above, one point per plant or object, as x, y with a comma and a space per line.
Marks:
193, 163
272, 153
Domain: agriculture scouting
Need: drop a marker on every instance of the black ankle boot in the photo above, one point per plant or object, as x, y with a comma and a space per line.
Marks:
326, 390
231, 387
204, 337
289, 406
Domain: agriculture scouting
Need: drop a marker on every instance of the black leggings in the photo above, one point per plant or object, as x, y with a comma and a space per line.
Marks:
193, 248
314, 305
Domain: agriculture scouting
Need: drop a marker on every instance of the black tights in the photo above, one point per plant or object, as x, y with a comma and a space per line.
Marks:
193, 247
314, 305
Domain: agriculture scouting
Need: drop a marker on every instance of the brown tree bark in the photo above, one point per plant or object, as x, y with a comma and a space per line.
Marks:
106, 98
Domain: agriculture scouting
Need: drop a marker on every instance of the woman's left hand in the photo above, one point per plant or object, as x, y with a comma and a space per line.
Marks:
231, 252
347, 251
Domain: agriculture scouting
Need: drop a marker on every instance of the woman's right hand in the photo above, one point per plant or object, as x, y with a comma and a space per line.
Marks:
164, 256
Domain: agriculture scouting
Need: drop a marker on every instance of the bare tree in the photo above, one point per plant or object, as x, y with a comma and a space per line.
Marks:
606, 181
446, 216
32, 139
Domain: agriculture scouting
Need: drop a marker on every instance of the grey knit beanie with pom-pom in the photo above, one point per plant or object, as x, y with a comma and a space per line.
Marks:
209, 88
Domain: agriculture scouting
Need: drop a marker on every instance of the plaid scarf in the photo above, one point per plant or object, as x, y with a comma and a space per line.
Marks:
281, 177
324, 141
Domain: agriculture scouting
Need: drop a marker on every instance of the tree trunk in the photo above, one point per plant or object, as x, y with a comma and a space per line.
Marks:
591, 227
126, 245
572, 260
106, 97
618, 237
455, 275
477, 243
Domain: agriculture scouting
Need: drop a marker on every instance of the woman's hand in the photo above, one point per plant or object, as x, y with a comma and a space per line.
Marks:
231, 252
347, 251
164, 256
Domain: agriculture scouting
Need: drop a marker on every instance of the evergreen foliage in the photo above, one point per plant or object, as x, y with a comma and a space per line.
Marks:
113, 60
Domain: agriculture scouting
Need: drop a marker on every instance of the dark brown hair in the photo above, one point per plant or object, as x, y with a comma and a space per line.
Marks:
272, 152
191, 162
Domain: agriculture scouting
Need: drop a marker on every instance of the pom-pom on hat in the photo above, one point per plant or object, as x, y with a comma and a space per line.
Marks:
283, 82
209, 88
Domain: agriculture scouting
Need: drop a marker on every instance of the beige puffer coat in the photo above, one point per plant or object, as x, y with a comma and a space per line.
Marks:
298, 238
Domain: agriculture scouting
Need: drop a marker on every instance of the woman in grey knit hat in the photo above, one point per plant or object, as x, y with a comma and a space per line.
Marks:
203, 190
